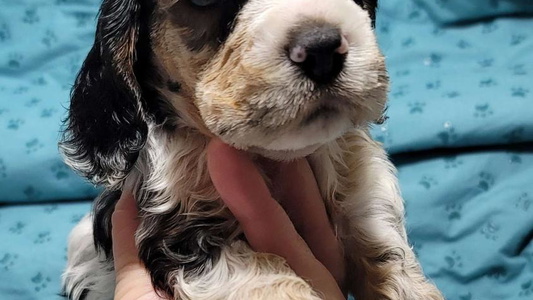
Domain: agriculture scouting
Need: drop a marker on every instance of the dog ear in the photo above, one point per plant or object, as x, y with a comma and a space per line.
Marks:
106, 126
370, 6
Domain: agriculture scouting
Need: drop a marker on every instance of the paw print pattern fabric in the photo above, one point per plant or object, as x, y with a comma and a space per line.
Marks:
457, 85
34, 252
42, 44
460, 130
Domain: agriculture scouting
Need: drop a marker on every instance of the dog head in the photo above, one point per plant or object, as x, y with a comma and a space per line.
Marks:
275, 77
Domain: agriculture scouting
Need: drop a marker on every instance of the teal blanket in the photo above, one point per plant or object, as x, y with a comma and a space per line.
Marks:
461, 133
460, 130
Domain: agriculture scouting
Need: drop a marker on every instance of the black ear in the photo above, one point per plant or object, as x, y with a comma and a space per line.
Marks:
106, 126
370, 6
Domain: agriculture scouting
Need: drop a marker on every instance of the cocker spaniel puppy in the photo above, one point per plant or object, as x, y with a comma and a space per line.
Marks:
278, 78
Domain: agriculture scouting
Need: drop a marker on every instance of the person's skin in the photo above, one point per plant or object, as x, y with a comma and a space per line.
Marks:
299, 231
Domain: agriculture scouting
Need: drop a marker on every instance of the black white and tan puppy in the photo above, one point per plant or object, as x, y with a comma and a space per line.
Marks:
278, 78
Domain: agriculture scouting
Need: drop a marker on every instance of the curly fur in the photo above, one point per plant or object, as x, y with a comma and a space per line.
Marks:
164, 77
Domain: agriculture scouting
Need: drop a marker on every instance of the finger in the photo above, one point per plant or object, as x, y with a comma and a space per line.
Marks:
124, 225
132, 279
301, 198
237, 180
264, 222
245, 193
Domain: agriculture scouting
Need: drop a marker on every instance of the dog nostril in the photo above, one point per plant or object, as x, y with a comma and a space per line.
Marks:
298, 54
319, 50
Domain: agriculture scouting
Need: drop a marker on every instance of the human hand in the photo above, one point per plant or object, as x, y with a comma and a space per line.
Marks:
132, 279
305, 239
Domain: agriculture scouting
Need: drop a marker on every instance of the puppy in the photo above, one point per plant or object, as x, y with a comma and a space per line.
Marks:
278, 78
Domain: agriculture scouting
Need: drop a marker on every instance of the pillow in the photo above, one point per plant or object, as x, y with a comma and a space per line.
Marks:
457, 11
42, 45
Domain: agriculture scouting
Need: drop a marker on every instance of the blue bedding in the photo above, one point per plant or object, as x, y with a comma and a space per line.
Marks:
460, 132
34, 249
41, 49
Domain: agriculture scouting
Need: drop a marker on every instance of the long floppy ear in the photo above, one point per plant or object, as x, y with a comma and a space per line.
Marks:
370, 6
106, 127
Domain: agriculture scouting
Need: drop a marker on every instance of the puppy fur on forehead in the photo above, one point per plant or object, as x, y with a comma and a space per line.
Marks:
283, 79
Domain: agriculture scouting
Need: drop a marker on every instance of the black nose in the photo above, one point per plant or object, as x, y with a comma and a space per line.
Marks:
319, 50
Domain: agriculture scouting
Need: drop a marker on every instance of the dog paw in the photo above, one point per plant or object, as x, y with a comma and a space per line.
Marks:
462, 44
5, 33
14, 124
454, 211
14, 60
48, 112
428, 182
433, 60
32, 193
51, 208
40, 282
486, 63
483, 111
486, 181
60, 171
526, 289
489, 82
33, 145
490, 230
33, 102
416, 107
524, 202
30, 16
454, 260
17, 228
42, 237
49, 38
519, 92
452, 162
448, 135
517, 39
8, 261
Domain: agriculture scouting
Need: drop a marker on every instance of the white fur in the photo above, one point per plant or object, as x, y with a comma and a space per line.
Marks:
244, 274
87, 269
367, 200
357, 180
318, 132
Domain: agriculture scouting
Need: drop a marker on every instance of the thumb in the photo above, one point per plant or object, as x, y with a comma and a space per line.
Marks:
124, 225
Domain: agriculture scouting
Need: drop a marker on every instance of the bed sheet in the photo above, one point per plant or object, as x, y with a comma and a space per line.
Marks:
469, 217
33, 248
42, 46
460, 131
455, 86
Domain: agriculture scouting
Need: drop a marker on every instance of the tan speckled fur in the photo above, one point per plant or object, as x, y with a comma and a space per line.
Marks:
248, 93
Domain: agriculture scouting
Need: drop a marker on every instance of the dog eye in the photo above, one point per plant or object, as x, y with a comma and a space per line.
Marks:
204, 3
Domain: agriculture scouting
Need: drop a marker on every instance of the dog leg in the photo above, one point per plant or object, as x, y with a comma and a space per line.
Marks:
89, 275
369, 213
